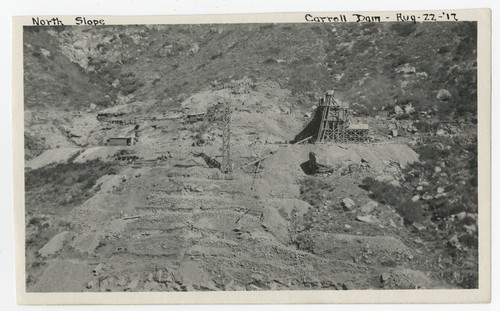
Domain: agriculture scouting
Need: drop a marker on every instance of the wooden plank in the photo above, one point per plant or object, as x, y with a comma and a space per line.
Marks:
301, 141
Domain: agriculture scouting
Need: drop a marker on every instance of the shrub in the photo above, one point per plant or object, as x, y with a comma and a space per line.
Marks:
62, 179
383, 192
35, 221
444, 49
307, 60
131, 86
468, 221
267, 26
361, 46
215, 56
104, 102
469, 241
318, 30
66, 90
314, 190
304, 242
274, 50
469, 280
459, 181
403, 29
395, 196
410, 211
427, 126
270, 60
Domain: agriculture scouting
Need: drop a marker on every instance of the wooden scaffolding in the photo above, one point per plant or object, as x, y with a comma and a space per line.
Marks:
334, 125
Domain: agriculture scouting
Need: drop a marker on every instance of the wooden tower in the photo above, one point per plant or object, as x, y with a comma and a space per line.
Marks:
333, 126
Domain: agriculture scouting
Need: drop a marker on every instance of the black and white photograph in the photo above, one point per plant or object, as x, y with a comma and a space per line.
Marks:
336, 153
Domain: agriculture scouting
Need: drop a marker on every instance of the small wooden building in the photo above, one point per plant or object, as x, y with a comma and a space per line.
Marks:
120, 141
195, 117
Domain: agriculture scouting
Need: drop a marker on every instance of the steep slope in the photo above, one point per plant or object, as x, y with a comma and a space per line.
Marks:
169, 60
158, 217
51, 79
372, 66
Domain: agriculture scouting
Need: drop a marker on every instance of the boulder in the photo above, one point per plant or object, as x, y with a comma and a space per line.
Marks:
422, 74
453, 241
45, 53
384, 277
440, 132
406, 69
150, 277
470, 229
369, 207
395, 183
392, 223
443, 95
409, 109
384, 178
368, 219
415, 198
419, 226
194, 49
440, 190
460, 216
437, 169
167, 278
348, 204
398, 110
440, 195
427, 197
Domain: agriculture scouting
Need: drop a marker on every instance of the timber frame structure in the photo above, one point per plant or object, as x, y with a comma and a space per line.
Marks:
334, 124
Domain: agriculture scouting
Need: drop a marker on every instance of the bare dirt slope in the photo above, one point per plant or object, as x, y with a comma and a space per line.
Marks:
164, 220
168, 221
170, 228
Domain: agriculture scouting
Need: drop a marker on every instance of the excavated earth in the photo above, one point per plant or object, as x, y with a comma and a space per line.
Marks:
168, 222
167, 227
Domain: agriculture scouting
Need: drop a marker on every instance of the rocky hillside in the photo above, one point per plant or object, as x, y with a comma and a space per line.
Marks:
371, 65
303, 58
399, 211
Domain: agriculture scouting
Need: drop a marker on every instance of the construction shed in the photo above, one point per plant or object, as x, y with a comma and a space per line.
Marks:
120, 141
195, 117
